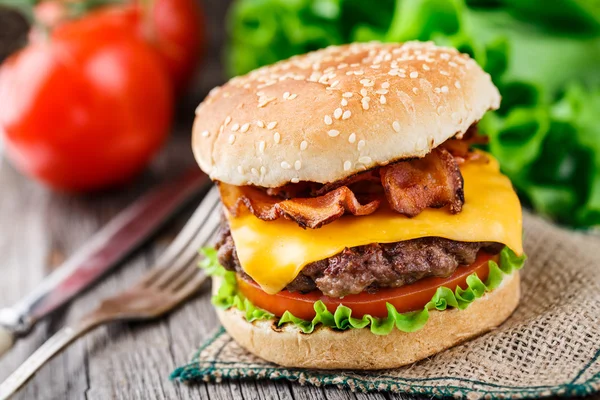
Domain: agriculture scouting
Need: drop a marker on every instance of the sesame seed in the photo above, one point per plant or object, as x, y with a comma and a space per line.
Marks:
344, 102
337, 113
457, 84
361, 144
365, 104
205, 133
333, 133
254, 171
271, 125
346, 114
347, 94
364, 160
444, 89
231, 139
385, 85
453, 64
261, 146
285, 165
445, 56
359, 72
396, 126
445, 73
263, 170
375, 66
235, 127
292, 96
334, 84
382, 91
240, 169
286, 95
244, 128
263, 102
382, 99
303, 145
414, 74
227, 120
352, 138
276, 137
295, 180
328, 120
297, 165
426, 67
363, 92
347, 165
365, 81
415, 90
437, 90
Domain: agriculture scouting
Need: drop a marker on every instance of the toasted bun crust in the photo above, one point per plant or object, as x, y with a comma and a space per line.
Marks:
361, 349
329, 114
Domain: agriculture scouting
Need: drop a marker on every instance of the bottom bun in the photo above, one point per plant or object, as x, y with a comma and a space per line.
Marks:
326, 348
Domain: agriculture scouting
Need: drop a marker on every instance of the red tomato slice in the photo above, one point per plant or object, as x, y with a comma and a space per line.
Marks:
406, 298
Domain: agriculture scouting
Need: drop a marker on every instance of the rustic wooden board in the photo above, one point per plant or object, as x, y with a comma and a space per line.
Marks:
39, 229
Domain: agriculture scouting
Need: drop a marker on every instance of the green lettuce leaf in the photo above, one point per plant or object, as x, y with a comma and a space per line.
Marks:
342, 319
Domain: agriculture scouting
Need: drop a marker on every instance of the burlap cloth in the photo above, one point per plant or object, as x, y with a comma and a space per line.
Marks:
549, 347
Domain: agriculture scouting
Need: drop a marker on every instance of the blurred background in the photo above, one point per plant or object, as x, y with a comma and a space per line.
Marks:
97, 94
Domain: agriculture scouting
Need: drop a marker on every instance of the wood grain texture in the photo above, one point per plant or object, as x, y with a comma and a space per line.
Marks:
39, 229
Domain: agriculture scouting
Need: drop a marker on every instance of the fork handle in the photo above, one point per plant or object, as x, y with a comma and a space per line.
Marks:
49, 349
7, 340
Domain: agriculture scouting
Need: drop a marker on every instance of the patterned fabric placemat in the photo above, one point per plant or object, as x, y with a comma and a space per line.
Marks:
549, 347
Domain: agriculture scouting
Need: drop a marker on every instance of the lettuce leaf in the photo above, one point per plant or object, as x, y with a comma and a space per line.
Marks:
342, 319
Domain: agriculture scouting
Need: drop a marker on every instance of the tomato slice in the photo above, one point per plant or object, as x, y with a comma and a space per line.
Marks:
406, 298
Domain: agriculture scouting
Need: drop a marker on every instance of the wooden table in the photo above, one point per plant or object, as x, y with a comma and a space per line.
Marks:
39, 229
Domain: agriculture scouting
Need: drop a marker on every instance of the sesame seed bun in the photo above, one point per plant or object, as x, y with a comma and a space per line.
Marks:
329, 114
325, 348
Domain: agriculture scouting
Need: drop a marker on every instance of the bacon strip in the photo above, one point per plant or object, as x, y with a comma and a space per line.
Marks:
461, 148
410, 187
312, 212
433, 181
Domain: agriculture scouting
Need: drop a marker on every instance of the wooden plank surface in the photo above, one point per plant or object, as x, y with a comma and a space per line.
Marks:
39, 229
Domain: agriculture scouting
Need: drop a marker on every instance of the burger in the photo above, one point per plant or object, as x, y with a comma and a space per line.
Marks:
362, 227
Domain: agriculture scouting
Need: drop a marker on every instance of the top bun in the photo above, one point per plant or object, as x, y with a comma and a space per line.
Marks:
331, 113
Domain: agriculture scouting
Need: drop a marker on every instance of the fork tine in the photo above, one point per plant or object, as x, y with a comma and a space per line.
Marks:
191, 227
183, 278
181, 242
190, 252
192, 285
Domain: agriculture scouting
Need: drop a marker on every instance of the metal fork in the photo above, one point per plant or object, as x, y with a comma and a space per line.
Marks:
174, 279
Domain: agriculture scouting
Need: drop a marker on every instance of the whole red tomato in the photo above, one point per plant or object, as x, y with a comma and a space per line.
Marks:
173, 27
85, 109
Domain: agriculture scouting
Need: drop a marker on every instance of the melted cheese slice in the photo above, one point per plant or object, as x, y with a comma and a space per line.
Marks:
274, 252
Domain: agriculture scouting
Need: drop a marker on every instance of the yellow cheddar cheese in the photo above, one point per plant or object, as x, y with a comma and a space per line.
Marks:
274, 252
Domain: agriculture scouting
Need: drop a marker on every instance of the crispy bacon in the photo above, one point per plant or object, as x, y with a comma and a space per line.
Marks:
433, 181
409, 186
461, 148
312, 212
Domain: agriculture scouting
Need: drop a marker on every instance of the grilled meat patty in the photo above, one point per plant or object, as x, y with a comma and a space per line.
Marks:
371, 267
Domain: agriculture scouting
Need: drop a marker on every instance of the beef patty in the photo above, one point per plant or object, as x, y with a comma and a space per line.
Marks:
371, 267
